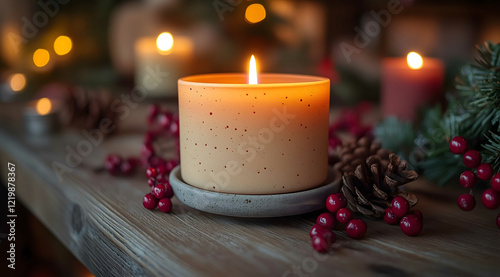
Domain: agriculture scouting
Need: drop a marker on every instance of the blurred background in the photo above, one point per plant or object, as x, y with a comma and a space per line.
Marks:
50, 45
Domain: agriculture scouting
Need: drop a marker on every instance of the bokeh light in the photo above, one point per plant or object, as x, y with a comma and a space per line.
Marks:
255, 13
17, 82
62, 45
41, 57
43, 106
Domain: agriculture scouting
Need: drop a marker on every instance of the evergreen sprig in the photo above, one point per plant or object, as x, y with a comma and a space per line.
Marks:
473, 112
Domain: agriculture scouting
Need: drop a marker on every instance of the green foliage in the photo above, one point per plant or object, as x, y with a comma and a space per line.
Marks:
473, 112
396, 136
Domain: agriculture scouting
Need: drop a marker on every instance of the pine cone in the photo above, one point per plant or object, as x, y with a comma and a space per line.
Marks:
86, 108
371, 177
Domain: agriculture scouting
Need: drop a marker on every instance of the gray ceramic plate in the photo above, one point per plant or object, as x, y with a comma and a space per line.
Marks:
241, 205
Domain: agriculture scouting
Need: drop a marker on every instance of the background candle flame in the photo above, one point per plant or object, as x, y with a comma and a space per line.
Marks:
414, 60
43, 106
252, 73
165, 41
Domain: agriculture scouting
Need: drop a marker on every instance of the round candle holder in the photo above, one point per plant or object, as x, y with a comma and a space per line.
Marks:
36, 124
251, 205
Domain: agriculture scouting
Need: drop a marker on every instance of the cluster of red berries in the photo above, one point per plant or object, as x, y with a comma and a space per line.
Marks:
410, 222
161, 124
472, 159
322, 232
161, 191
116, 165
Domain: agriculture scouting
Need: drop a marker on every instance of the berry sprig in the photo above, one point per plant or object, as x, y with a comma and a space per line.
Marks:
483, 171
116, 165
161, 124
322, 234
160, 196
411, 223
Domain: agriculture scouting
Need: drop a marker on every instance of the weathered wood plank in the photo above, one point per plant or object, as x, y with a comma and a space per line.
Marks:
101, 220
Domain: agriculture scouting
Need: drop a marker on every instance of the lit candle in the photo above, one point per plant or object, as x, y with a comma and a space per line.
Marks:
41, 117
247, 135
160, 62
408, 84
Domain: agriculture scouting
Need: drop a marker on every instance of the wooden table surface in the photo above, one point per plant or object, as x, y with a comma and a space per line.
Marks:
101, 220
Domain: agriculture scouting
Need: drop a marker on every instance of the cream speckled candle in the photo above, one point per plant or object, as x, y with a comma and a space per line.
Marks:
254, 139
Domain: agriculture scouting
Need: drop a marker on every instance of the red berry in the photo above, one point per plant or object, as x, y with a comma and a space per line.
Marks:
484, 171
152, 182
335, 202
356, 228
128, 166
151, 172
390, 217
466, 202
162, 168
149, 201
161, 178
165, 119
419, 214
326, 220
333, 142
149, 137
156, 161
495, 182
411, 225
147, 151
174, 127
344, 215
165, 205
472, 159
467, 179
490, 199
317, 230
153, 112
458, 145
159, 191
321, 244
112, 163
170, 165
400, 206
169, 192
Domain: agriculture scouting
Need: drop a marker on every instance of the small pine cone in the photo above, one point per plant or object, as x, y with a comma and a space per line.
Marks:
86, 108
371, 177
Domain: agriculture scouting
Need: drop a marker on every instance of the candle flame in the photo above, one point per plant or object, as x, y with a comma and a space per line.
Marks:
165, 41
252, 73
414, 60
43, 106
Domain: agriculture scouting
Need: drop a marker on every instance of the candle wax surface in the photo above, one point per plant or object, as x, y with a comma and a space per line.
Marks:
254, 139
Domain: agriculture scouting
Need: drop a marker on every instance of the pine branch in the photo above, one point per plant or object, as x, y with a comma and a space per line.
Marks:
492, 151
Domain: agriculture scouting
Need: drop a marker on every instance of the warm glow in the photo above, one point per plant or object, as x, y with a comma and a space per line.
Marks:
255, 13
414, 60
17, 82
43, 106
41, 57
165, 41
62, 45
252, 73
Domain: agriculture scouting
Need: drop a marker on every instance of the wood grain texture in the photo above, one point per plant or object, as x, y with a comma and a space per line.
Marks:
101, 220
